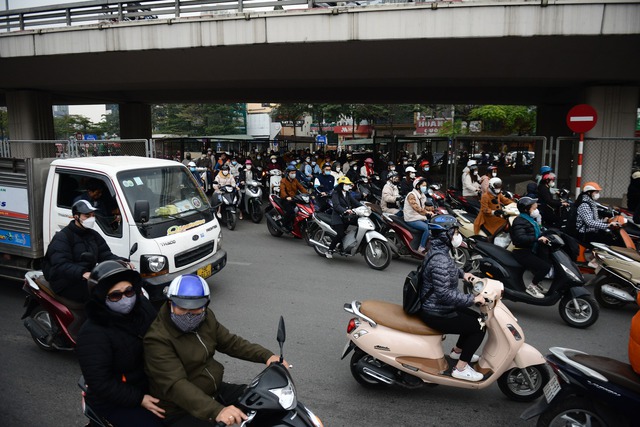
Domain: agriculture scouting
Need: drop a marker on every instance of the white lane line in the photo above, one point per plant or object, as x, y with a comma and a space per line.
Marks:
238, 263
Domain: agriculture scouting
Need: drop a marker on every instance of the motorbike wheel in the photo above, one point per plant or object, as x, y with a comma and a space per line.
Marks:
363, 380
325, 239
515, 386
582, 316
575, 411
393, 238
43, 317
377, 254
256, 213
274, 231
605, 300
230, 220
460, 257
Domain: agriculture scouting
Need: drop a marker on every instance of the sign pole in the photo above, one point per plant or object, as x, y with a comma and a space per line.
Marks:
579, 168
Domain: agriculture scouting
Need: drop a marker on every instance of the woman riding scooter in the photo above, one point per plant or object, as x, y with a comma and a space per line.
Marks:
445, 308
417, 210
491, 217
530, 245
588, 224
343, 203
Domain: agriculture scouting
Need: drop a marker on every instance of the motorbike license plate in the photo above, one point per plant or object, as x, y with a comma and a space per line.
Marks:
551, 389
204, 272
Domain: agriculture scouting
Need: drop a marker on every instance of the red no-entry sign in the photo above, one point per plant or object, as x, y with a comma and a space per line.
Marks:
582, 118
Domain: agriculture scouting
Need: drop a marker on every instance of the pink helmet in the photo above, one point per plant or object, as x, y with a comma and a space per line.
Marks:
369, 160
248, 162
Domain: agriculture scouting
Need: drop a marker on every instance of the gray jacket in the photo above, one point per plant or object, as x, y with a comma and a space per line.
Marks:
441, 275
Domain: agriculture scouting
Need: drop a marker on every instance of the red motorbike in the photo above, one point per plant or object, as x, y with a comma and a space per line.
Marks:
52, 320
304, 210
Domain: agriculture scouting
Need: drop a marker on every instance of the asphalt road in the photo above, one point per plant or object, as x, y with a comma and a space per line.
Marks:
267, 277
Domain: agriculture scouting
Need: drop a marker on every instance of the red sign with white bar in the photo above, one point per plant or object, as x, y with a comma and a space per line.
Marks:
582, 118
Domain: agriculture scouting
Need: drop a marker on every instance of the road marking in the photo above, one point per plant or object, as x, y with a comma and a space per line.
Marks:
581, 119
238, 263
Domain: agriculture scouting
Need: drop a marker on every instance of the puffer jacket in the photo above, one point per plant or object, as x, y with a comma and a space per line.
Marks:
523, 234
390, 195
181, 367
440, 277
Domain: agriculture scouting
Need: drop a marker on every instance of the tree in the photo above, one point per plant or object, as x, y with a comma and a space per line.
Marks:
110, 124
197, 119
506, 119
68, 125
4, 124
290, 113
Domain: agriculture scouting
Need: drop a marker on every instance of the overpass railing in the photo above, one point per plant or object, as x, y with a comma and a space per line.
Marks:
75, 148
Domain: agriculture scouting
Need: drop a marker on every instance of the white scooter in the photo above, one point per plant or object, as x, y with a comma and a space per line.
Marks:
364, 239
275, 176
252, 200
393, 348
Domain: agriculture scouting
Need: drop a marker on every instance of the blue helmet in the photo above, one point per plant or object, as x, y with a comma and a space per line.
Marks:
440, 223
291, 168
189, 291
545, 169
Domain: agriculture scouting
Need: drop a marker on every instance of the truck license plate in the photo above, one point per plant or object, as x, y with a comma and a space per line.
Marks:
204, 272
551, 389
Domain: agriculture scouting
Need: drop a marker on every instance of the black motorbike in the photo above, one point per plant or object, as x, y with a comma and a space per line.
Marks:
577, 307
229, 199
587, 390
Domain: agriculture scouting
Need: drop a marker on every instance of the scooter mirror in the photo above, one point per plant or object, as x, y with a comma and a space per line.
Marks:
282, 335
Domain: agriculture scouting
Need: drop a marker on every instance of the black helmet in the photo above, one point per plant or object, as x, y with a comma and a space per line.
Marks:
224, 167
82, 207
391, 175
440, 223
108, 273
525, 203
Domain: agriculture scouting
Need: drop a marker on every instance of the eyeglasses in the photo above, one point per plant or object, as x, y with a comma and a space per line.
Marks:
117, 295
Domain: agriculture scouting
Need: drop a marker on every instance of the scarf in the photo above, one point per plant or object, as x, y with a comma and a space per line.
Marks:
536, 229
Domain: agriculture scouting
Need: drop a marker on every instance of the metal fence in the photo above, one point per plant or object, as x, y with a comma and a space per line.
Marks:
74, 148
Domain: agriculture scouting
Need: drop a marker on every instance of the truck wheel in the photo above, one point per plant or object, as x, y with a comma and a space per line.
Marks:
581, 314
524, 385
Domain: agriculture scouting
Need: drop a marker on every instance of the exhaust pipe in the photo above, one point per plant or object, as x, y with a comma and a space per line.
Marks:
617, 293
316, 243
377, 373
36, 330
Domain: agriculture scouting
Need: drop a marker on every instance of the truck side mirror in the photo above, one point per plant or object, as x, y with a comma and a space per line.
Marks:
141, 211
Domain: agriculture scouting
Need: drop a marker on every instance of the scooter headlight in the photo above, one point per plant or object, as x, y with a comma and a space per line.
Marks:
286, 396
571, 274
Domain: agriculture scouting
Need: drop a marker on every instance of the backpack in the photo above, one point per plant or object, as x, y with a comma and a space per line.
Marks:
411, 301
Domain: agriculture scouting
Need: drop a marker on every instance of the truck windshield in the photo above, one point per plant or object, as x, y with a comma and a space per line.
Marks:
170, 191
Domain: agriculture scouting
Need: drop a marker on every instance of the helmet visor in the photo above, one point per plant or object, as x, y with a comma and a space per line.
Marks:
189, 303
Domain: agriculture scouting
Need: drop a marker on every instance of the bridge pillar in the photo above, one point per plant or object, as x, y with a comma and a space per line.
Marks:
135, 121
30, 115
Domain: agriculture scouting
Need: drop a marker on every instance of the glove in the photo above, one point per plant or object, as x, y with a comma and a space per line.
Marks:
499, 212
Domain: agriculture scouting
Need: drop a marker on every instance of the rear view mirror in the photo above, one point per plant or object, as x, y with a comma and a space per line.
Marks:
141, 211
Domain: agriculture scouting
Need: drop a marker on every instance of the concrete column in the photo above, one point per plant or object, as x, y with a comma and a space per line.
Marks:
609, 162
30, 115
135, 121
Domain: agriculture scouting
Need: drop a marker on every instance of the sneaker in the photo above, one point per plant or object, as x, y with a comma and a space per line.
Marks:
549, 274
219, 214
329, 254
240, 215
468, 374
421, 249
540, 288
456, 356
534, 292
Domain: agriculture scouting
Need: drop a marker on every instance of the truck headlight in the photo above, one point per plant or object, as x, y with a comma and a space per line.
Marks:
219, 240
153, 265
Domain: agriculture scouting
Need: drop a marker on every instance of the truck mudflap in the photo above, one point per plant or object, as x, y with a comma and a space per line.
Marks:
155, 286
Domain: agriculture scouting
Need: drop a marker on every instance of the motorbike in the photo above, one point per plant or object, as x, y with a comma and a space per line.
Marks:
275, 177
587, 390
458, 201
438, 198
252, 200
577, 307
304, 210
363, 239
391, 347
617, 280
53, 321
369, 191
229, 199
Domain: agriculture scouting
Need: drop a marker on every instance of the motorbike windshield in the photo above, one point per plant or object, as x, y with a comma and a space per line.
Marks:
172, 192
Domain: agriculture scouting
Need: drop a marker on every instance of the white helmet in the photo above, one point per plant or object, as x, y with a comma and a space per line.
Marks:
495, 185
410, 169
472, 163
192, 164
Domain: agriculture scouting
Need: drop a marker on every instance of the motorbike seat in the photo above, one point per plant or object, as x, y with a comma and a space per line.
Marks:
394, 317
504, 256
628, 252
70, 304
617, 372
324, 217
403, 224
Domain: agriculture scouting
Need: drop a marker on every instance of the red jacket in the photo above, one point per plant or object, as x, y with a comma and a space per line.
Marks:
634, 341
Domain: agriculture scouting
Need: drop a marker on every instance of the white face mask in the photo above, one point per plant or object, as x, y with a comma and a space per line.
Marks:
596, 196
412, 175
475, 172
456, 241
225, 173
248, 167
273, 160
552, 184
347, 187
494, 173
89, 222
535, 213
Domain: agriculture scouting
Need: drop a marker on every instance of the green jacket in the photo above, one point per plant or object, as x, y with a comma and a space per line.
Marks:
182, 371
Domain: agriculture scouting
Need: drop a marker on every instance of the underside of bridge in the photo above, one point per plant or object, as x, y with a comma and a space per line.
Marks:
510, 70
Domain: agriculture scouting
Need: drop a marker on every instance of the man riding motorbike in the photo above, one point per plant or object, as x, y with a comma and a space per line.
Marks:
289, 188
324, 185
418, 209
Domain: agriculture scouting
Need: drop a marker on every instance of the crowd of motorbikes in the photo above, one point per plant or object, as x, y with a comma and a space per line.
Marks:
392, 348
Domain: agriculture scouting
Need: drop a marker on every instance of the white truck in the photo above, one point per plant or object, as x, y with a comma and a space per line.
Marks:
160, 219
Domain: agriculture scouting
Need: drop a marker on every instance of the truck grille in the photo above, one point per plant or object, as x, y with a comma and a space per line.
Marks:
193, 255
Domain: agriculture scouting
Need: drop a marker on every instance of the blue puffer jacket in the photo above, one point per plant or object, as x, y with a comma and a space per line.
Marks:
441, 275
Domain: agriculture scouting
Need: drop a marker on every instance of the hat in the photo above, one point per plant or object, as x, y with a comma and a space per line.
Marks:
83, 207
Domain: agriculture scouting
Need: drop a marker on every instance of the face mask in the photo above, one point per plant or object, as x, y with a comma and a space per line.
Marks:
426, 168
347, 187
392, 168
273, 160
327, 172
535, 213
234, 163
187, 322
475, 172
596, 196
313, 163
355, 167
423, 189
404, 163
225, 173
248, 167
258, 157
192, 169
307, 160
292, 175
497, 191
89, 222
412, 175
124, 306
494, 173
552, 184
456, 241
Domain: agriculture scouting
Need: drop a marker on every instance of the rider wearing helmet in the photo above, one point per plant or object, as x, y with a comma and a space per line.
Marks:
196, 175
247, 173
367, 169
445, 308
543, 170
418, 209
179, 351
289, 188
470, 184
65, 267
342, 214
109, 347
491, 218
384, 175
407, 183
589, 226
324, 184
549, 205
492, 172
391, 194
530, 245
223, 178
425, 167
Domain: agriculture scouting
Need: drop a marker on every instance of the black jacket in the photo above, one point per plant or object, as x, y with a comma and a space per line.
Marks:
405, 187
65, 267
340, 205
633, 194
523, 233
110, 354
